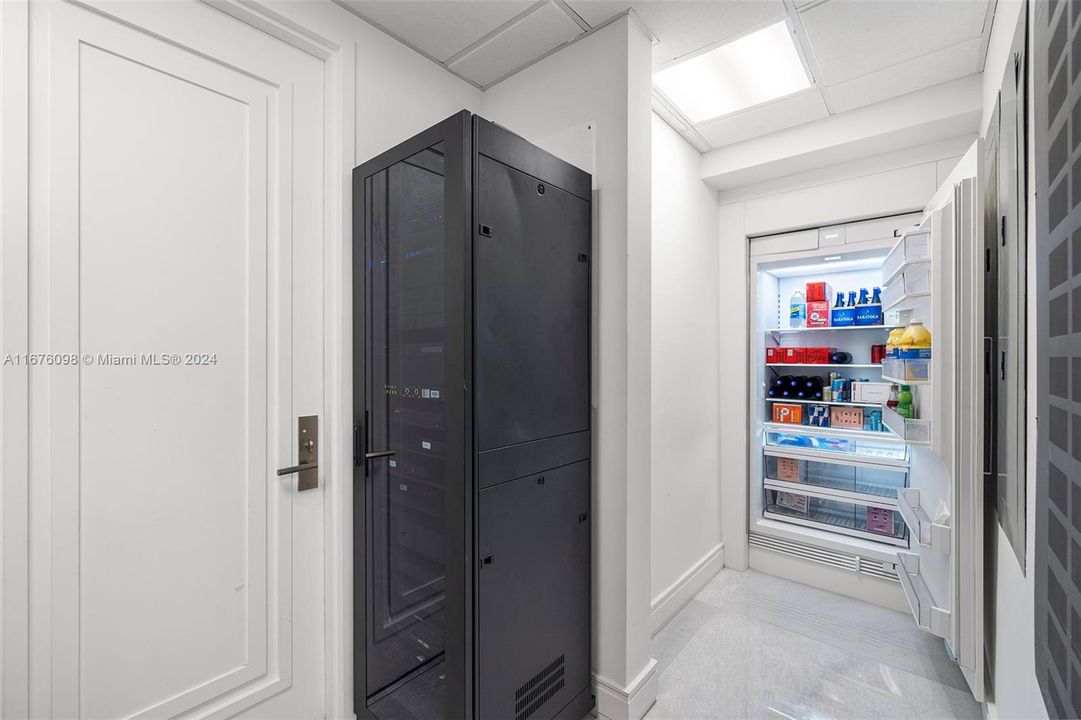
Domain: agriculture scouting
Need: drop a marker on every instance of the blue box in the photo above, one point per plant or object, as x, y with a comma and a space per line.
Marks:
819, 415
914, 354
868, 314
843, 317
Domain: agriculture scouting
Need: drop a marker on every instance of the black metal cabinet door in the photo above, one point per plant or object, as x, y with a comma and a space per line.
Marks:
532, 308
412, 496
533, 595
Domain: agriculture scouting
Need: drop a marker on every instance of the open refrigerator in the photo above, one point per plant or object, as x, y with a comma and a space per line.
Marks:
837, 476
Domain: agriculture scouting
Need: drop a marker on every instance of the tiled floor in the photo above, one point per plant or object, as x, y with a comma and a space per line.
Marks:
756, 646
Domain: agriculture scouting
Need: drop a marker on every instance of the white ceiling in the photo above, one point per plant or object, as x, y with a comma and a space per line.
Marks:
860, 52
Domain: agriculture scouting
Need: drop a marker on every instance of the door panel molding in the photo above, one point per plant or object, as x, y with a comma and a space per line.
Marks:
69, 38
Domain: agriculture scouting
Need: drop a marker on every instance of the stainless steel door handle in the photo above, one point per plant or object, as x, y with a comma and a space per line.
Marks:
297, 468
381, 453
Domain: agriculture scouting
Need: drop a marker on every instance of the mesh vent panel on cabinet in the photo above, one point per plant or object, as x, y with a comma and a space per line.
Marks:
539, 689
1058, 357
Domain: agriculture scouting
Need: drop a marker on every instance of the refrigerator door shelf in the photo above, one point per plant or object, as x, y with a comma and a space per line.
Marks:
929, 534
913, 249
929, 617
913, 431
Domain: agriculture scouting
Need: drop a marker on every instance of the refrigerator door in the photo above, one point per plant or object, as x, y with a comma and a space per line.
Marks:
942, 572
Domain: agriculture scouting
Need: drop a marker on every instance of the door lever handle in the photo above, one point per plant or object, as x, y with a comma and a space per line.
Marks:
297, 468
381, 453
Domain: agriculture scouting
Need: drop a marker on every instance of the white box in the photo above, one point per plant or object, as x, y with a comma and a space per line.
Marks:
871, 392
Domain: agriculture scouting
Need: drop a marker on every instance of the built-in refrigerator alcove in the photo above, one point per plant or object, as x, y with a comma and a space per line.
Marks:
880, 483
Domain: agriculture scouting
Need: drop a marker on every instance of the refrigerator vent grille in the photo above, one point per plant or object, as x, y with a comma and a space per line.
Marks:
539, 689
844, 561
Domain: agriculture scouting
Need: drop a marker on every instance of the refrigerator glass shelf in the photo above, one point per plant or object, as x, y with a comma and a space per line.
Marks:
823, 402
886, 458
834, 432
826, 365
859, 492
787, 331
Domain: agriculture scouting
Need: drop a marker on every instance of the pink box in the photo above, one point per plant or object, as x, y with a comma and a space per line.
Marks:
818, 313
879, 520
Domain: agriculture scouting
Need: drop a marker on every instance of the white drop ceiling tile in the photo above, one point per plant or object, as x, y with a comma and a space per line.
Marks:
851, 38
683, 27
922, 72
438, 27
543, 30
764, 119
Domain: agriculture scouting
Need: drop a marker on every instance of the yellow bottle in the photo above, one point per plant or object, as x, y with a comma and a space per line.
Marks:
916, 337
893, 342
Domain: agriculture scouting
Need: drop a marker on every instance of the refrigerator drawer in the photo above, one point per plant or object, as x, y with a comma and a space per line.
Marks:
853, 518
863, 480
858, 448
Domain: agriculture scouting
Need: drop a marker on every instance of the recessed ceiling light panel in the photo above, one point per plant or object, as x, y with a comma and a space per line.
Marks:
754, 69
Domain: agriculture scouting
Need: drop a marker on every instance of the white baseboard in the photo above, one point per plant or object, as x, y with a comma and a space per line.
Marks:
615, 702
675, 596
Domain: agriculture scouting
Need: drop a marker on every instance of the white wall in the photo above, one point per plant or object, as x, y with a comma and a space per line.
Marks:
685, 492
1016, 693
599, 88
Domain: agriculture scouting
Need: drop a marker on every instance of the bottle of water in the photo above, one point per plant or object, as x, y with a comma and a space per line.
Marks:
797, 310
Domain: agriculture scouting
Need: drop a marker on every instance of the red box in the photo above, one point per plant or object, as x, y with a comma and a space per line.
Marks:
788, 413
774, 355
818, 313
818, 291
817, 355
793, 355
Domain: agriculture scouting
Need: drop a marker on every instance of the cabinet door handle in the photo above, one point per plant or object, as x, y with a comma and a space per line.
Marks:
381, 453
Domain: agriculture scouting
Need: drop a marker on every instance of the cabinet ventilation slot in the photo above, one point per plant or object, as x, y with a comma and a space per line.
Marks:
844, 561
539, 689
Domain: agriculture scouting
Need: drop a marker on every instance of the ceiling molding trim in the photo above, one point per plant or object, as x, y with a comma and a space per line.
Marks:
572, 14
806, 52
678, 122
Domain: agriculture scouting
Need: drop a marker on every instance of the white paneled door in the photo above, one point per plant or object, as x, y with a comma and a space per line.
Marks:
176, 212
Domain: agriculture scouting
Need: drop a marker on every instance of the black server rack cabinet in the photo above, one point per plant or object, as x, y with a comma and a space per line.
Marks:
471, 329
